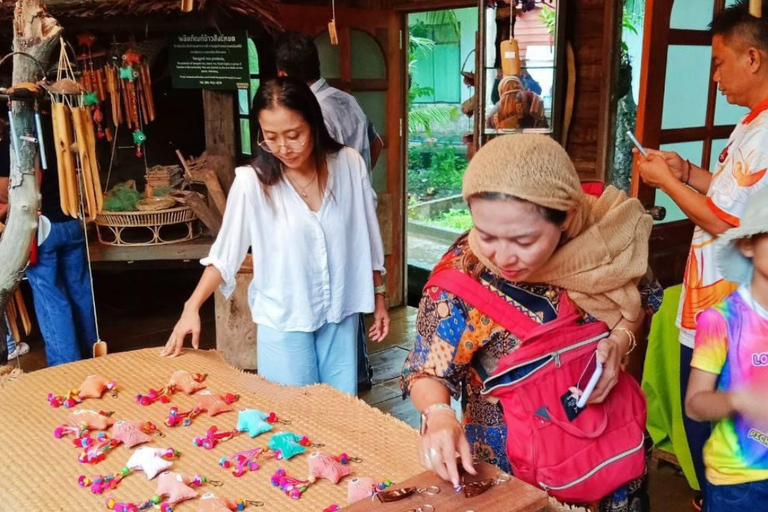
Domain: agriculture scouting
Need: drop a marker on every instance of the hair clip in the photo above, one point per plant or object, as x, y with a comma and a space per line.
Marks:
176, 418
213, 437
472, 489
94, 386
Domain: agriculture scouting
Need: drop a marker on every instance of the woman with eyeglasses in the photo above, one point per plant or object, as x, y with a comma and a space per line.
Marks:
306, 209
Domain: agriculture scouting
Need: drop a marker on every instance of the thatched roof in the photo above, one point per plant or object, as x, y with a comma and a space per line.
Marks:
263, 10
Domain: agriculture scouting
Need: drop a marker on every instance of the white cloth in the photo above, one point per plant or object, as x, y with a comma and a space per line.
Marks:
309, 268
740, 172
345, 120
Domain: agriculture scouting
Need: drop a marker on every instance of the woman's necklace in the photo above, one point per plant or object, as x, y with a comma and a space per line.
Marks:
302, 190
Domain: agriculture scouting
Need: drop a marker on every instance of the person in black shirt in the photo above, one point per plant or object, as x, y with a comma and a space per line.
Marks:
60, 281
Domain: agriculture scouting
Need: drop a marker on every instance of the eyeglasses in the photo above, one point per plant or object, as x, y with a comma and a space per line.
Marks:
273, 146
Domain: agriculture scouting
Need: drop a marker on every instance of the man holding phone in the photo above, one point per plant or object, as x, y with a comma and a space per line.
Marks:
715, 202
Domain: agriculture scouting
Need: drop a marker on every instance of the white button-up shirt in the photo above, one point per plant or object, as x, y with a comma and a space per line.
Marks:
309, 268
345, 120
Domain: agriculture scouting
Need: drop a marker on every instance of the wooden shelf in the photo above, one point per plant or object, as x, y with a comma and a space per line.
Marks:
183, 251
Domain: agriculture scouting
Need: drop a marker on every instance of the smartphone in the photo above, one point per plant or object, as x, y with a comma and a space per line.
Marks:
639, 146
593, 371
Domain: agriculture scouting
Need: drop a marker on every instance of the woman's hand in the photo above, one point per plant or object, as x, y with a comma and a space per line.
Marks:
609, 352
443, 439
380, 327
188, 323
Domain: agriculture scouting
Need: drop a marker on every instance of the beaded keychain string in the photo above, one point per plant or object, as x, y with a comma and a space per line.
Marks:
66, 429
247, 460
214, 436
94, 450
295, 487
100, 483
163, 395
72, 397
156, 501
176, 418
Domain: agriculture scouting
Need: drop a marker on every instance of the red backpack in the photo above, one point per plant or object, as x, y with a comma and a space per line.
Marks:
577, 461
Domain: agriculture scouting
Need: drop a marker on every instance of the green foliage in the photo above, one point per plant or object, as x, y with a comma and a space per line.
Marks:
548, 17
121, 198
420, 45
454, 219
435, 171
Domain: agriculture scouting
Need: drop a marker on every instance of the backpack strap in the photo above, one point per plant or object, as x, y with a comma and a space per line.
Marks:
483, 299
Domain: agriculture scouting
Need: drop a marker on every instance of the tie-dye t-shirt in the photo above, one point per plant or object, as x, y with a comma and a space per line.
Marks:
732, 342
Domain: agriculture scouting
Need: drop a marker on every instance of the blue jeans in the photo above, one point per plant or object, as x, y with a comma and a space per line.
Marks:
328, 355
749, 497
61, 289
10, 343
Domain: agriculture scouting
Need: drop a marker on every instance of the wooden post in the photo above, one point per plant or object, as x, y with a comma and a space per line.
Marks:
35, 34
220, 145
235, 330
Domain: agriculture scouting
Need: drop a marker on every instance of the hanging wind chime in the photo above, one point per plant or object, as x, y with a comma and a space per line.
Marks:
756, 8
74, 139
332, 33
509, 48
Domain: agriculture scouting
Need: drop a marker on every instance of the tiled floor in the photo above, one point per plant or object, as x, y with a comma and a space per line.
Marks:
148, 322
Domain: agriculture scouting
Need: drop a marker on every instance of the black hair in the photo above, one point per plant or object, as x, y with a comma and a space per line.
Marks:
296, 55
737, 20
295, 95
556, 217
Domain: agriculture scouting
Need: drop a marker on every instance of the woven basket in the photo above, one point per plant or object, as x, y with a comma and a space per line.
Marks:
130, 228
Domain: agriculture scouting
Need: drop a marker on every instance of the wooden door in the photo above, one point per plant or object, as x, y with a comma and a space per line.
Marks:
679, 107
368, 63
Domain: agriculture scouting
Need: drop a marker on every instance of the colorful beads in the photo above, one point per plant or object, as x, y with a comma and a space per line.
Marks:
292, 487
176, 418
332, 508
214, 437
70, 399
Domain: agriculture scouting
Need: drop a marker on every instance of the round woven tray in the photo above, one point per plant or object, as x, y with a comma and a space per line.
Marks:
130, 228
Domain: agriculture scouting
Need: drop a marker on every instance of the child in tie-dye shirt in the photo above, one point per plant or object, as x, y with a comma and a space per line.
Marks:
729, 375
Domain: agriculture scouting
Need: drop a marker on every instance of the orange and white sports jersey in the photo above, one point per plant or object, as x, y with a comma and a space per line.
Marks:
739, 173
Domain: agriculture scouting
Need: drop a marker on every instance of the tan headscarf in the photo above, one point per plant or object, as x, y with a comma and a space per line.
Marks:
606, 252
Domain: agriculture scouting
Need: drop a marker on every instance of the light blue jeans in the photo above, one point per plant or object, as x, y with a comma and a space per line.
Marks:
328, 355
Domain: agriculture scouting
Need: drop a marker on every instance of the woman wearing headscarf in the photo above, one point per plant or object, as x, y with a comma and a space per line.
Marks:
541, 244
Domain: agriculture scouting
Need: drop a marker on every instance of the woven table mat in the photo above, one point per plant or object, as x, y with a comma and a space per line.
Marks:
40, 472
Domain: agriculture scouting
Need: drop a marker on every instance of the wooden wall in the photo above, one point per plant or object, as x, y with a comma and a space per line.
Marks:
593, 31
593, 28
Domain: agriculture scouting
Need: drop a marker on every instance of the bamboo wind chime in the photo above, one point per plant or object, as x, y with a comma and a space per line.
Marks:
75, 141
332, 33
756, 8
